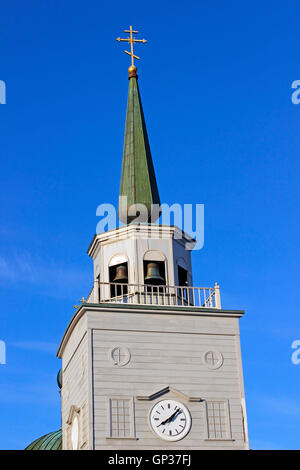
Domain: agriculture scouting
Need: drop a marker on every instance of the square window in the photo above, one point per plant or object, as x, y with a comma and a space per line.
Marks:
218, 424
121, 418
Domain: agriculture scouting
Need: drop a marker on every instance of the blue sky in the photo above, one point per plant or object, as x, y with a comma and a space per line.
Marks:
215, 79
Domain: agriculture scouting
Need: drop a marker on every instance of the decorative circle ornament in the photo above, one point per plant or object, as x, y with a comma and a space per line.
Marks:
212, 359
120, 355
170, 420
75, 433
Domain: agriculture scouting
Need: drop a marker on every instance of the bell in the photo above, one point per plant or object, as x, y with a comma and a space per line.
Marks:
121, 274
153, 277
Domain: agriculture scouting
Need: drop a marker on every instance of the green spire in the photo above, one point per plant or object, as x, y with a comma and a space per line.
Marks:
138, 182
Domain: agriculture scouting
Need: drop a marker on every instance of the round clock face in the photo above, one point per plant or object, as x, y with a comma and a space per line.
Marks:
170, 420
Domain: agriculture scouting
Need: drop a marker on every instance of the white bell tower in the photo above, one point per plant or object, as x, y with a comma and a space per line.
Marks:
135, 247
150, 361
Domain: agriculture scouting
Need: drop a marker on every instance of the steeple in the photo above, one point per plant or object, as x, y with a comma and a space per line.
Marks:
138, 182
138, 350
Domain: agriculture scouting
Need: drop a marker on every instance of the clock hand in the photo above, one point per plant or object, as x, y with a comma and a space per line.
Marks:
175, 414
163, 422
170, 417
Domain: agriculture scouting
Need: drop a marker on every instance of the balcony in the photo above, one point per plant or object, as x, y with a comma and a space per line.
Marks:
144, 294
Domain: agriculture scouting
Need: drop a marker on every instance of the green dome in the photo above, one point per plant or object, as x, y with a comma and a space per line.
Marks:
59, 378
51, 441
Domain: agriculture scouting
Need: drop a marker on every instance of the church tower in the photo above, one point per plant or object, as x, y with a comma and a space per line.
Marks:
149, 361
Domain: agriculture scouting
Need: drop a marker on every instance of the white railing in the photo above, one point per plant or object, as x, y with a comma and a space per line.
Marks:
144, 294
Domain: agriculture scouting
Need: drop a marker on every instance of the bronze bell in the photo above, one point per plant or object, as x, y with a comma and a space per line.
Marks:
121, 274
152, 276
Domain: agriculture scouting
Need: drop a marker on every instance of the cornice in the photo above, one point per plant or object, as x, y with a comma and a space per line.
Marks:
139, 309
147, 231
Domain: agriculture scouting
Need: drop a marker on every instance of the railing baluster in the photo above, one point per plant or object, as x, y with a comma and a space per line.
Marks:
188, 296
205, 297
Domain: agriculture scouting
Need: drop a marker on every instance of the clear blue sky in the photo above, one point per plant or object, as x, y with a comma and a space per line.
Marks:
215, 79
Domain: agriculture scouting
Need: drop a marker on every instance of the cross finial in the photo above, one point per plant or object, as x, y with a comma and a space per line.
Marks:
132, 40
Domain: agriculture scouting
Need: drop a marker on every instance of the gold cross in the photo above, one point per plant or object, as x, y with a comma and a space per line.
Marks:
81, 300
131, 40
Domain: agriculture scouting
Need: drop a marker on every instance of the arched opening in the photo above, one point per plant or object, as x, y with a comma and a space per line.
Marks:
118, 275
154, 265
182, 276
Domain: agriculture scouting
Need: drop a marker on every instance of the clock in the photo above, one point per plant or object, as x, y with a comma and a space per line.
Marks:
170, 420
